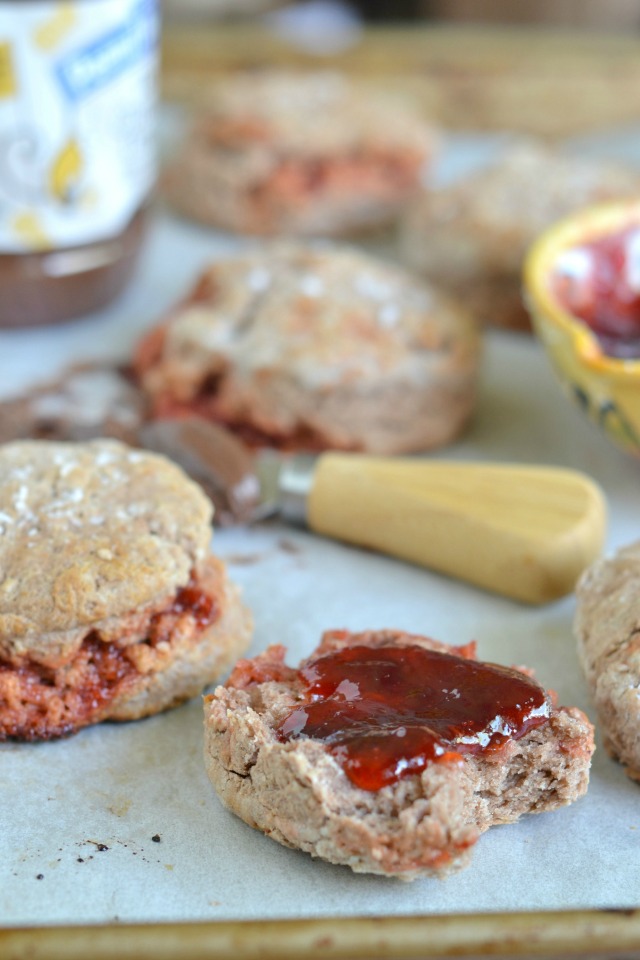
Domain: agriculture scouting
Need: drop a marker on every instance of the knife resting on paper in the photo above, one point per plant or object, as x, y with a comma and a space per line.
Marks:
523, 531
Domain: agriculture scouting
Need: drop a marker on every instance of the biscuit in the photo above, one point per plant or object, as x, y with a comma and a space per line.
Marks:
607, 627
307, 792
86, 401
316, 347
472, 236
111, 605
303, 154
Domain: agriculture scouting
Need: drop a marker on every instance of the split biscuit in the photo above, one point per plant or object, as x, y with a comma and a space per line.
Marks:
111, 605
299, 154
304, 346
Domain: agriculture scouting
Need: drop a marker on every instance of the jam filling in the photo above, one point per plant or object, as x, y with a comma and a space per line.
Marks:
599, 282
387, 712
206, 406
194, 600
378, 174
39, 702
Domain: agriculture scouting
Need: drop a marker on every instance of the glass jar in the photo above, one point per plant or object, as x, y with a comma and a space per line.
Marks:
77, 152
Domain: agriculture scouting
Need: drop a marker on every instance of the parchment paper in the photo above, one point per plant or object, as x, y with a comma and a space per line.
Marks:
120, 822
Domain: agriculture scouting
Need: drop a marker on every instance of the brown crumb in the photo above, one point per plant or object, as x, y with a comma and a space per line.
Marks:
243, 559
288, 546
99, 846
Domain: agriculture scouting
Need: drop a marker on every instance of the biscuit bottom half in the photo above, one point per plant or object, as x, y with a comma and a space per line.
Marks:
349, 773
188, 642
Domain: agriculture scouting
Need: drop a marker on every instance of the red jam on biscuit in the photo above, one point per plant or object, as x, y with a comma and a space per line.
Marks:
387, 712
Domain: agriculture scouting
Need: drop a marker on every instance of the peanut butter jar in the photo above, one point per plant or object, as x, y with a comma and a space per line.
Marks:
77, 152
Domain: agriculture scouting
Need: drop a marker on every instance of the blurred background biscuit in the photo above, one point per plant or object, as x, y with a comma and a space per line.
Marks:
316, 347
472, 235
303, 154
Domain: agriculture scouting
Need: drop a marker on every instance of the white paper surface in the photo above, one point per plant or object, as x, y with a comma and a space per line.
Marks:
121, 785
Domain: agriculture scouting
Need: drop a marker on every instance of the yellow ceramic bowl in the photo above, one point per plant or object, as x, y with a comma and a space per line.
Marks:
607, 388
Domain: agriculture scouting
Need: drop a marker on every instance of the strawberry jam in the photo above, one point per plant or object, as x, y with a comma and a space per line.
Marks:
192, 599
387, 712
38, 702
599, 282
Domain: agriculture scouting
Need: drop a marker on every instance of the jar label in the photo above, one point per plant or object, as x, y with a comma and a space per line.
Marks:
77, 105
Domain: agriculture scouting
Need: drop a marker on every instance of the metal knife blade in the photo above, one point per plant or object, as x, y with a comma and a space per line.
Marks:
245, 486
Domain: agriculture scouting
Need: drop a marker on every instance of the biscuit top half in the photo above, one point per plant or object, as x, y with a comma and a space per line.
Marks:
321, 315
90, 534
304, 113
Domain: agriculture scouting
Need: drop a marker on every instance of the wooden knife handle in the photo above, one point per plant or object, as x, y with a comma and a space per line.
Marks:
526, 532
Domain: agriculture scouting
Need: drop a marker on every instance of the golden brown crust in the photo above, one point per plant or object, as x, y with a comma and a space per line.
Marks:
88, 534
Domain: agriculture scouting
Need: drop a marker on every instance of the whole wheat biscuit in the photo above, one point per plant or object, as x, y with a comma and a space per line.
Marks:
472, 235
298, 792
85, 401
607, 627
316, 346
299, 154
110, 602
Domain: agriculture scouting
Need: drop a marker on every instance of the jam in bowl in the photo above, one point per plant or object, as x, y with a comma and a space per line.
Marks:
582, 290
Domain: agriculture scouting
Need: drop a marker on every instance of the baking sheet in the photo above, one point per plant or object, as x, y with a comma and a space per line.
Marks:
119, 824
